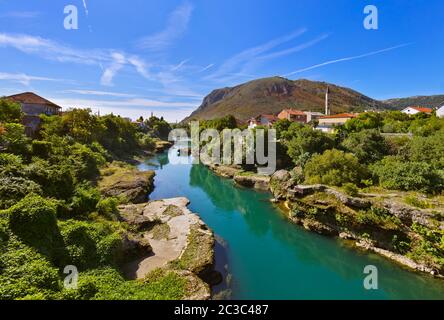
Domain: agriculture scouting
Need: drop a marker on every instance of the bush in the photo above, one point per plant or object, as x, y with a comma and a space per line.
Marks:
14, 140
58, 179
368, 145
85, 200
91, 244
34, 221
24, 273
10, 111
393, 173
303, 142
334, 168
41, 149
108, 208
351, 189
10, 165
13, 189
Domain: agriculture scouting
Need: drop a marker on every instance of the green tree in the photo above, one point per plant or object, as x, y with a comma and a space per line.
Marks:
336, 168
10, 111
368, 145
302, 142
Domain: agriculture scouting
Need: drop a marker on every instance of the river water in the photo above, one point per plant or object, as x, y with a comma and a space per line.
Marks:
270, 258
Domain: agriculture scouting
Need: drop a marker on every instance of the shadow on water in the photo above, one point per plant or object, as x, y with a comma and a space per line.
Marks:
270, 258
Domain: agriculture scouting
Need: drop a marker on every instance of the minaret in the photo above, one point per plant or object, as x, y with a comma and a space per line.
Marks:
327, 108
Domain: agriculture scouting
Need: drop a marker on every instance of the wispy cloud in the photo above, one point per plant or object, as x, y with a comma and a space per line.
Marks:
99, 93
177, 25
326, 63
85, 6
20, 14
52, 50
23, 78
207, 67
132, 108
241, 64
180, 65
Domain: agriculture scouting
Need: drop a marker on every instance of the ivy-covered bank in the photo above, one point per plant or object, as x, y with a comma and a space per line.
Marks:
60, 194
394, 224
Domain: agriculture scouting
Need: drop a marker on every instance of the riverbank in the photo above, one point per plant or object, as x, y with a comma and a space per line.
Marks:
376, 222
169, 239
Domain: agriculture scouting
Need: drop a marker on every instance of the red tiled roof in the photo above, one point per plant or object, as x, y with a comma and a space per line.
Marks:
340, 115
422, 109
31, 98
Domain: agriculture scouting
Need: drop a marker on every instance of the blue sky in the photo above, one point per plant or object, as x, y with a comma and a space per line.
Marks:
137, 57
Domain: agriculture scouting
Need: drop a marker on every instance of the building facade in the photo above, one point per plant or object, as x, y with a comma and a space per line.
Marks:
32, 105
416, 109
293, 115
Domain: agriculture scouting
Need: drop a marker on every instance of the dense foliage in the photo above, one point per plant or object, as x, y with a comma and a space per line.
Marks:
389, 149
51, 212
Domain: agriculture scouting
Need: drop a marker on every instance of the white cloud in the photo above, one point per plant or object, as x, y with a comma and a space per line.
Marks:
240, 64
176, 26
347, 59
52, 50
132, 108
20, 14
99, 93
23, 78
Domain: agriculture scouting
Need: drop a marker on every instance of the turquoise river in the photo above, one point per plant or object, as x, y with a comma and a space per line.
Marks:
266, 256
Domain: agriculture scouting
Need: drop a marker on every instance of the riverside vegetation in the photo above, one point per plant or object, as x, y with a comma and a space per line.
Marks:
378, 181
58, 208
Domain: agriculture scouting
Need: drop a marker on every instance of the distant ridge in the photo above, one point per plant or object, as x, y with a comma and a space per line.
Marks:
423, 101
271, 95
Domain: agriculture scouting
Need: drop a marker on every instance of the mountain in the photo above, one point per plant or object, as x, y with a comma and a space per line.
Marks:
423, 101
271, 95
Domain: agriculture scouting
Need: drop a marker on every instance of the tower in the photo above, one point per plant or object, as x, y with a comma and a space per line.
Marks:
327, 107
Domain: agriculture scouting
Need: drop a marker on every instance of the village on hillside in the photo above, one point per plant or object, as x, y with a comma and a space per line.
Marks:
33, 106
327, 121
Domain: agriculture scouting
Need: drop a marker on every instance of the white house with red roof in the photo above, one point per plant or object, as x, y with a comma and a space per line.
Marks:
417, 109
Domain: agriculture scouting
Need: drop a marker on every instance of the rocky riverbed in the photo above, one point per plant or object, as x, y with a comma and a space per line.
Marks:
163, 234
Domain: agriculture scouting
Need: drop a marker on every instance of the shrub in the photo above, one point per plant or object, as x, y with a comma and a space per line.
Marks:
367, 145
13, 189
91, 244
393, 173
108, 207
11, 111
14, 139
351, 189
334, 168
85, 200
10, 164
33, 220
41, 149
25, 273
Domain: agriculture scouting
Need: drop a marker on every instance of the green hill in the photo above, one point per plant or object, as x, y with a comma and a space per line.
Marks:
271, 95
424, 101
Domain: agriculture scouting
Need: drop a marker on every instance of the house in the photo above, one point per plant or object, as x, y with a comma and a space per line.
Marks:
33, 106
417, 109
262, 120
440, 112
313, 116
327, 123
293, 115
